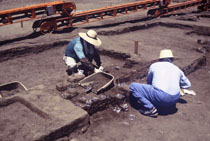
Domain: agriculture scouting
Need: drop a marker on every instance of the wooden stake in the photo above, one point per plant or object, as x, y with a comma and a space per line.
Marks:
21, 23
136, 46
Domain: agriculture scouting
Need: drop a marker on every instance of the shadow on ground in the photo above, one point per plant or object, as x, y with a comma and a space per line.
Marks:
161, 110
35, 35
30, 36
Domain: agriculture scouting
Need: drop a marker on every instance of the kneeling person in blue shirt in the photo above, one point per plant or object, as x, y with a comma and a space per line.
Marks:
164, 81
82, 50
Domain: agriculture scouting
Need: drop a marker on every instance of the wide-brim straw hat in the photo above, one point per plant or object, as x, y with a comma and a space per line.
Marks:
91, 37
166, 53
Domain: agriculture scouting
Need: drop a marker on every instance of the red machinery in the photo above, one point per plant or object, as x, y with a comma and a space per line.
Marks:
62, 16
78, 18
107, 12
39, 11
165, 8
205, 5
58, 15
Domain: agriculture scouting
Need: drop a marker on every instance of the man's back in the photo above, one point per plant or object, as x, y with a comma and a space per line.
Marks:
165, 76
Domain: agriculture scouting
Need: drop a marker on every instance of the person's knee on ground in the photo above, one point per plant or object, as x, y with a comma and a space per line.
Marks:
134, 102
71, 65
139, 100
141, 92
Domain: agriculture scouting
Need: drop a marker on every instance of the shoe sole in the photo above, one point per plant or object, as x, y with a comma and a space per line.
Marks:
153, 113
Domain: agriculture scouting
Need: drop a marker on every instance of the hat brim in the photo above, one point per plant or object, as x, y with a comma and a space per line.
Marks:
162, 57
166, 53
95, 42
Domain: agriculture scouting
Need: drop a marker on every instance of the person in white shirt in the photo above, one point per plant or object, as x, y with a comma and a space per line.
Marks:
164, 81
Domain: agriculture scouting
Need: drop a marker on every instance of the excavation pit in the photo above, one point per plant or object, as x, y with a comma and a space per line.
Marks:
32, 116
23, 119
11, 88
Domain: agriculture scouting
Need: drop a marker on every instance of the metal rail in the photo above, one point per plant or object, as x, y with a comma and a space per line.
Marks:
79, 18
172, 8
35, 12
118, 10
63, 18
181, 6
205, 5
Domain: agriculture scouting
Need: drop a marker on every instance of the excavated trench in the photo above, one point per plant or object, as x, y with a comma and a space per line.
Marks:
199, 30
130, 70
19, 51
135, 71
119, 94
117, 97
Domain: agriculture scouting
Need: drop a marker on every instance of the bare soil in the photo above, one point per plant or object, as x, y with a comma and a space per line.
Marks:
36, 59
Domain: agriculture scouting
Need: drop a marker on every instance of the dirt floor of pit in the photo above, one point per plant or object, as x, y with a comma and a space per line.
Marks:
177, 32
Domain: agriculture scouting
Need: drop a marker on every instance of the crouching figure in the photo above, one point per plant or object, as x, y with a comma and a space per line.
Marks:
164, 81
80, 53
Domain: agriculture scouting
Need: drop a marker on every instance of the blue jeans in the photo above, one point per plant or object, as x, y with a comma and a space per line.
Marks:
149, 96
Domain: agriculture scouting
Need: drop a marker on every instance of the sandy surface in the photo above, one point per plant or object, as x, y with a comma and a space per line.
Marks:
176, 32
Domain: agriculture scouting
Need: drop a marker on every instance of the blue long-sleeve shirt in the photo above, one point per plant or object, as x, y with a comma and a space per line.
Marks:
167, 77
75, 50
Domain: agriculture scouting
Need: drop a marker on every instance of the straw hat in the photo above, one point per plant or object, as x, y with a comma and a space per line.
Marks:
166, 53
91, 37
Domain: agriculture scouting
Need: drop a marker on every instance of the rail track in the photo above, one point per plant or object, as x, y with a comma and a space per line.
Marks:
60, 14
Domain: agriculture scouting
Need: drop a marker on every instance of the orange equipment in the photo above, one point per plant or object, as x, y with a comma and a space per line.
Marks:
167, 9
64, 18
95, 15
205, 5
36, 12
181, 6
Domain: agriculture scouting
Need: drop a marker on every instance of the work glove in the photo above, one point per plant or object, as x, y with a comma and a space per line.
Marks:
97, 70
101, 68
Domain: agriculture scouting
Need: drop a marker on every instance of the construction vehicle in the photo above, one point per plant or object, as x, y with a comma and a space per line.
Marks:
59, 15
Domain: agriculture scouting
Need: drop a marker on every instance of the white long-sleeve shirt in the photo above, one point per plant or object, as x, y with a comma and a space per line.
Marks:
167, 77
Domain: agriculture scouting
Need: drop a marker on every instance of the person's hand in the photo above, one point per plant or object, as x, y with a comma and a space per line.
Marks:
101, 68
97, 70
